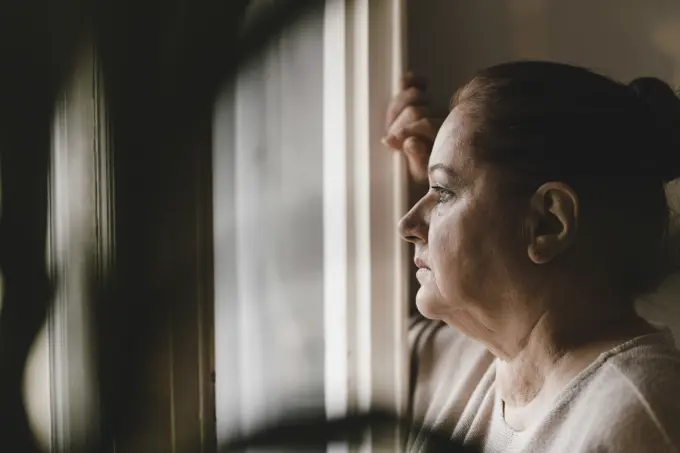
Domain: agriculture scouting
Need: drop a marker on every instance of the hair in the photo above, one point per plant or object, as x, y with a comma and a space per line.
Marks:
614, 144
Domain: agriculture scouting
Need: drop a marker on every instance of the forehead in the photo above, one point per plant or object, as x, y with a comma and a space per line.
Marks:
452, 146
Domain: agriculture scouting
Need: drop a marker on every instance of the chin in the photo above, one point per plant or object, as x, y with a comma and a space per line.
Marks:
429, 304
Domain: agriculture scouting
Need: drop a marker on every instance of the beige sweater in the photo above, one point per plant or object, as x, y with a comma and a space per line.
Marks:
627, 401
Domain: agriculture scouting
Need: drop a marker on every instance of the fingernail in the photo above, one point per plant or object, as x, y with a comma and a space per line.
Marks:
384, 141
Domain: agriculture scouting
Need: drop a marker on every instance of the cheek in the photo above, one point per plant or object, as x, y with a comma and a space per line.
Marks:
461, 253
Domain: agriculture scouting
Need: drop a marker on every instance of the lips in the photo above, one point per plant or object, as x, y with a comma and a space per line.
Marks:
424, 274
420, 264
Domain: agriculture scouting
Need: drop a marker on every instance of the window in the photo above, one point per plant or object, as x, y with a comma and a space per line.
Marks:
268, 183
310, 273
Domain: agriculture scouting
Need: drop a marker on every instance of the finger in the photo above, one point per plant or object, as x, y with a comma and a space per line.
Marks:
423, 128
406, 117
410, 96
426, 129
417, 154
411, 80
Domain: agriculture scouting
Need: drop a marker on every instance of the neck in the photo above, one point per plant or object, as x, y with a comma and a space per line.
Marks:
558, 347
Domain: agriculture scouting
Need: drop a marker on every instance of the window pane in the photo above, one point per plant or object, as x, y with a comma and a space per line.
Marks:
268, 234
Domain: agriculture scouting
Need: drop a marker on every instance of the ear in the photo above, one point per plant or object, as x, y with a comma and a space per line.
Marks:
553, 221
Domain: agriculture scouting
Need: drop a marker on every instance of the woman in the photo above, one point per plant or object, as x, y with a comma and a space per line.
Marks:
546, 216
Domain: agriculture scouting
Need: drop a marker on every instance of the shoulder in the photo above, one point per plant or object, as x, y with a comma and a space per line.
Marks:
444, 362
433, 344
633, 399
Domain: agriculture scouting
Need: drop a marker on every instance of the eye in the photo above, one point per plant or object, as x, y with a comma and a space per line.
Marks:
443, 195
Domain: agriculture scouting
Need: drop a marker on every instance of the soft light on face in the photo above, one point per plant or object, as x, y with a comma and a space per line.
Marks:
466, 235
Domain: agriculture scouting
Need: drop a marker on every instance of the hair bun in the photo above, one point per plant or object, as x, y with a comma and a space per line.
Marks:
664, 106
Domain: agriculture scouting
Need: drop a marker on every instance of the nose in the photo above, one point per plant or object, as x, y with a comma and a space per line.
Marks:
413, 226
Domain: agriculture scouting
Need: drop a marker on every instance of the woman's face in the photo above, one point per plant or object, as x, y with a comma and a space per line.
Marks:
467, 236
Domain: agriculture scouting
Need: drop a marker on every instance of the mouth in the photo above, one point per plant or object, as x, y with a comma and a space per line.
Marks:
420, 264
424, 273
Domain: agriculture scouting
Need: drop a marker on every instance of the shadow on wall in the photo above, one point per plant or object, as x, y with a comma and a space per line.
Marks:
450, 40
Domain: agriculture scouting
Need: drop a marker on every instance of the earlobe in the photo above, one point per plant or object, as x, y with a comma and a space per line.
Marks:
554, 221
541, 250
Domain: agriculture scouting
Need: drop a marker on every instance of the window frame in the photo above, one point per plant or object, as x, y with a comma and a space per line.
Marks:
366, 191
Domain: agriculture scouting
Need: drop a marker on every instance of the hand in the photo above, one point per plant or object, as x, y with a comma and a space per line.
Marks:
411, 128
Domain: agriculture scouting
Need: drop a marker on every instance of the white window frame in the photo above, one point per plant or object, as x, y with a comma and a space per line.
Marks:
365, 194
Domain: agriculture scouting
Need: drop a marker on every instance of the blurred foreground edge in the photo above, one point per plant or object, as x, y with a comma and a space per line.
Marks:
316, 432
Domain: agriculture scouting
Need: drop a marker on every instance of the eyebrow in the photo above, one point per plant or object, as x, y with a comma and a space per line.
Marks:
456, 178
436, 167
